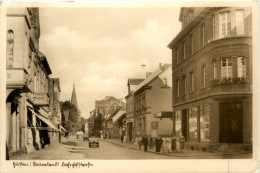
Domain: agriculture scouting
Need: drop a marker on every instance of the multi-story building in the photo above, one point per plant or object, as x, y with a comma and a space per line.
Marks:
100, 109
111, 110
212, 76
130, 110
152, 96
27, 98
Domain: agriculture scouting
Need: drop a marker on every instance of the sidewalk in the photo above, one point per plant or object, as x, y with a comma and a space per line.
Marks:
186, 153
67, 150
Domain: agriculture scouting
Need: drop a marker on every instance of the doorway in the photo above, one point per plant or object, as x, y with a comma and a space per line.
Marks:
231, 122
130, 128
184, 123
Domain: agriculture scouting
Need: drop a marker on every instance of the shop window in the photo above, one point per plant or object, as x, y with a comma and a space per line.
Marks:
241, 67
193, 125
178, 123
204, 123
226, 68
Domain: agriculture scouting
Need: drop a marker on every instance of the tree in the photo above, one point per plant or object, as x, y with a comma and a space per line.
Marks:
72, 123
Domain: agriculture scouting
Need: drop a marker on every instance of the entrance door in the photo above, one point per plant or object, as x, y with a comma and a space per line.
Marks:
231, 122
130, 127
184, 127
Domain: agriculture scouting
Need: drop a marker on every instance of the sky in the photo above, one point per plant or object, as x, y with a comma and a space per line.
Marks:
100, 48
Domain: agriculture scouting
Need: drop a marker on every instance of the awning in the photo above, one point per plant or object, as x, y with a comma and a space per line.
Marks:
48, 122
62, 128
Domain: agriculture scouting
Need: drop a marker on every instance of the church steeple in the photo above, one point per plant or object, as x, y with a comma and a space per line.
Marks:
74, 97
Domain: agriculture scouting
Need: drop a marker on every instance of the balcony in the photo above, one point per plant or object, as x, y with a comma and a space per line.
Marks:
39, 99
16, 78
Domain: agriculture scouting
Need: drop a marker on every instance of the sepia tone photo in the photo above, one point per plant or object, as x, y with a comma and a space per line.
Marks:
128, 83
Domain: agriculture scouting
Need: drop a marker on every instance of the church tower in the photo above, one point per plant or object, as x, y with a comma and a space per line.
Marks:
74, 101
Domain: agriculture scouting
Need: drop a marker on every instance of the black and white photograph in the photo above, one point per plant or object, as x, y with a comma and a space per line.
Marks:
89, 84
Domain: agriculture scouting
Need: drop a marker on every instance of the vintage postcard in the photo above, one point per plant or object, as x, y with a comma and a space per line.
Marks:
129, 86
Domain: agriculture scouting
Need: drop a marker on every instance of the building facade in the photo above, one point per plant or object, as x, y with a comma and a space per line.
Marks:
130, 109
150, 97
212, 77
27, 99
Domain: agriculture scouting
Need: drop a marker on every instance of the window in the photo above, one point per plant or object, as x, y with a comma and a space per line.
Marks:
154, 125
226, 67
192, 81
215, 26
203, 34
184, 84
191, 44
10, 49
178, 88
225, 24
203, 76
240, 22
241, 67
214, 69
177, 62
184, 56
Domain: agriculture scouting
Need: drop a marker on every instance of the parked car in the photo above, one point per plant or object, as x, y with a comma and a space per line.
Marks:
93, 142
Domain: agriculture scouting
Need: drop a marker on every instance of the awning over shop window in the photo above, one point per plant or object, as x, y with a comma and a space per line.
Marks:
48, 122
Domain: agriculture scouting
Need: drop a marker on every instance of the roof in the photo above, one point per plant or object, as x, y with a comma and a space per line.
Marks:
134, 81
114, 113
74, 97
118, 115
152, 76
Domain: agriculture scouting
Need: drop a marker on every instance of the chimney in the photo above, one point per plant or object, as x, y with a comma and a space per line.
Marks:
148, 74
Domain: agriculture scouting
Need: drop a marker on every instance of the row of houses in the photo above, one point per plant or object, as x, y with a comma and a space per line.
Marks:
33, 114
206, 93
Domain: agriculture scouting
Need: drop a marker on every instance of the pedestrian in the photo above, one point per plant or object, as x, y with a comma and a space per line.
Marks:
139, 142
145, 142
158, 143
151, 143
173, 144
168, 142
164, 145
178, 147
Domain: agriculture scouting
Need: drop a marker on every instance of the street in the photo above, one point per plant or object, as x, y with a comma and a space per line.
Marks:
71, 150
113, 149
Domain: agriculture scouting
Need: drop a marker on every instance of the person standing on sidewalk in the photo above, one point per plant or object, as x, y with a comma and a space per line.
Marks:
173, 144
164, 145
139, 142
122, 138
168, 142
151, 142
158, 143
145, 142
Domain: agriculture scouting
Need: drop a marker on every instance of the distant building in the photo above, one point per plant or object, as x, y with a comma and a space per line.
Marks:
130, 108
150, 97
212, 76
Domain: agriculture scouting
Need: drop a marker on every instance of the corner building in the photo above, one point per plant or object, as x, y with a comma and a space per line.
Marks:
212, 77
